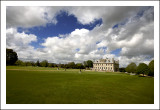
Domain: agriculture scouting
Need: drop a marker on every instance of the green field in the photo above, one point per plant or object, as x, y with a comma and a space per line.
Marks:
35, 85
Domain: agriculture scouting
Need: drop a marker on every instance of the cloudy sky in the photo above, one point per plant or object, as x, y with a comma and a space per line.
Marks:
65, 34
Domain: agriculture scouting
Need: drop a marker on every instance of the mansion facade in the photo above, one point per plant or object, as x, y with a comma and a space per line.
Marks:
109, 65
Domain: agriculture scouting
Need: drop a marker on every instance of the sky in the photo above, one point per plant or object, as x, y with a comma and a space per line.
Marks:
79, 33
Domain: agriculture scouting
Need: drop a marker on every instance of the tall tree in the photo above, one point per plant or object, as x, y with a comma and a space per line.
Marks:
85, 64
90, 63
151, 67
11, 57
131, 68
142, 69
37, 63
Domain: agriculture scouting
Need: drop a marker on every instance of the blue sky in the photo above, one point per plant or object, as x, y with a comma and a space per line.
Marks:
64, 34
66, 24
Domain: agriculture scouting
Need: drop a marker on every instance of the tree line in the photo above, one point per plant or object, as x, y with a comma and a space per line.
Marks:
12, 59
45, 63
142, 68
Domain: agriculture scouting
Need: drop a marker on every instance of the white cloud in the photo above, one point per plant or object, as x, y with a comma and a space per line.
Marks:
134, 34
62, 48
124, 61
26, 17
20, 42
18, 39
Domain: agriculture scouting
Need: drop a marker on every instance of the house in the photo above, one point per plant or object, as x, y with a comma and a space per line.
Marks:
109, 65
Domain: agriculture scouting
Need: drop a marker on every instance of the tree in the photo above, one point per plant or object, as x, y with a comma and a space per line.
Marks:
79, 66
88, 63
151, 67
122, 69
85, 64
142, 69
20, 63
131, 68
51, 65
32, 63
44, 63
11, 57
37, 63
71, 65
61, 65
28, 63
66, 66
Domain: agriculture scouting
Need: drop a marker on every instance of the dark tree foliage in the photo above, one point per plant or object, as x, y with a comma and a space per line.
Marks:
71, 65
143, 69
44, 63
62, 65
88, 63
19, 63
151, 67
131, 68
79, 66
28, 63
37, 63
11, 57
51, 65
32, 63
122, 69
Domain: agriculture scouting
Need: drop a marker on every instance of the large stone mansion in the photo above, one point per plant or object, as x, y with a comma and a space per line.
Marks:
109, 65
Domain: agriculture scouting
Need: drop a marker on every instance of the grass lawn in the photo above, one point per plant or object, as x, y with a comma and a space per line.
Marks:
35, 85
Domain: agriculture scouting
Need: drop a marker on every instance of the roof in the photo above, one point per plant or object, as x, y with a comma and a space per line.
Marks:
106, 61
